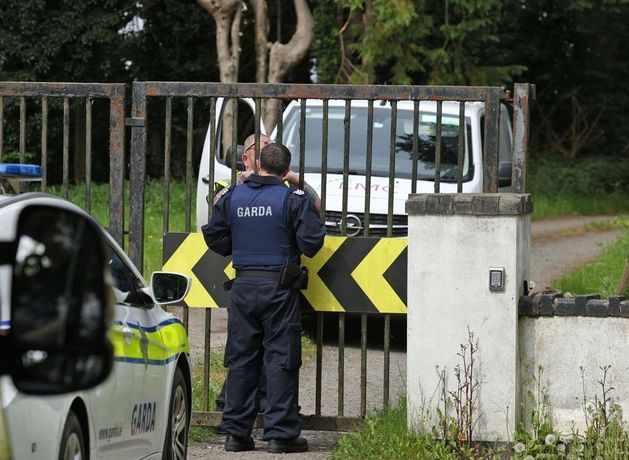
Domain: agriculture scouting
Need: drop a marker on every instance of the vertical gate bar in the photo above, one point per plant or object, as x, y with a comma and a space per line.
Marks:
387, 361
22, 129
438, 148
168, 124
302, 142
280, 121
521, 111
234, 140
117, 163
341, 381
490, 149
415, 146
363, 365
138, 176
461, 146
368, 167
88, 155
66, 147
206, 359
392, 140
319, 368
346, 146
189, 141
1, 126
21, 185
210, 183
256, 143
324, 156
44, 142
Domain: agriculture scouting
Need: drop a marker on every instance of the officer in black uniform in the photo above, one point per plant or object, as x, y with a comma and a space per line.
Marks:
265, 226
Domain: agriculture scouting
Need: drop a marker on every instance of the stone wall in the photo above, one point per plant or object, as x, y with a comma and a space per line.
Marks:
572, 339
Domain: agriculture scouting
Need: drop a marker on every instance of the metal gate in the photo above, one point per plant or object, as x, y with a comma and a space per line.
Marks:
167, 96
210, 93
41, 94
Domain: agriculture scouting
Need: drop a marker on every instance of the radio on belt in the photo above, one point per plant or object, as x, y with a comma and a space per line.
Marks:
496, 278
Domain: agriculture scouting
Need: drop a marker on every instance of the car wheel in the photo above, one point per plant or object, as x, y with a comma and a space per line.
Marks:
176, 445
72, 443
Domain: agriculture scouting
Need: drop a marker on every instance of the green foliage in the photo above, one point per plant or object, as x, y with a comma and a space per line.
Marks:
591, 176
465, 39
591, 185
384, 435
64, 40
217, 376
536, 435
577, 188
606, 433
601, 276
392, 36
573, 49
326, 42
176, 43
384, 36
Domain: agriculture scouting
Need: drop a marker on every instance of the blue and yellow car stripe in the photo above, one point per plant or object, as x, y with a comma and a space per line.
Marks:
156, 345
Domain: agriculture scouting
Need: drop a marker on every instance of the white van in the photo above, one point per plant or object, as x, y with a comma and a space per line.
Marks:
379, 188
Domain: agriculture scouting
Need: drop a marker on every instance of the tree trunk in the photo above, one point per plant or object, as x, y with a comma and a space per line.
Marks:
283, 57
227, 14
262, 39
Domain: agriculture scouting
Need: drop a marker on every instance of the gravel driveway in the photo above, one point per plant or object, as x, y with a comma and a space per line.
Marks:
552, 254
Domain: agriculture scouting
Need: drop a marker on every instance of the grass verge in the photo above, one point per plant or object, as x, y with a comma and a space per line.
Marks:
600, 276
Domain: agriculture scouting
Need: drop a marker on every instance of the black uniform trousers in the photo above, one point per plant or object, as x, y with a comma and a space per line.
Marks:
264, 327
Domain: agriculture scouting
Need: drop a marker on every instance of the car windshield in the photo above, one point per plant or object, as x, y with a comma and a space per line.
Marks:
381, 140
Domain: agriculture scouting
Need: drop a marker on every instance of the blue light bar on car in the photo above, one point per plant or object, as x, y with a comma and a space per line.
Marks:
20, 172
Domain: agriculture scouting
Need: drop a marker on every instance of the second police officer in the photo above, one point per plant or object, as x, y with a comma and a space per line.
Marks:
265, 226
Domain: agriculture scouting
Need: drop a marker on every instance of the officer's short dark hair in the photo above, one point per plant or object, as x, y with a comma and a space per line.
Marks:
275, 159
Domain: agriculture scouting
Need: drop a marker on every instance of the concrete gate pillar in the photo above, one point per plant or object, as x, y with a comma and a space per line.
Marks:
454, 241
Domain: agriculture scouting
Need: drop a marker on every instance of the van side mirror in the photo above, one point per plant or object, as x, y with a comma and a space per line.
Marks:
240, 149
504, 174
61, 303
168, 287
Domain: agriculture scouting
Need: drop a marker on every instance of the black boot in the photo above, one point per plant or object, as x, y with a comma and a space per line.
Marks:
234, 444
285, 446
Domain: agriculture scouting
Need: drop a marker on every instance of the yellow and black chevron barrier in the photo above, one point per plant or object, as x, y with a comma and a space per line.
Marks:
355, 275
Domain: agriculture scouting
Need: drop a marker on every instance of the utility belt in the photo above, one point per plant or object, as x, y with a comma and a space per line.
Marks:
290, 275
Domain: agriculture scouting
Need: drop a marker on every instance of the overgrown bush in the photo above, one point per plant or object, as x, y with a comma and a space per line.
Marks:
590, 176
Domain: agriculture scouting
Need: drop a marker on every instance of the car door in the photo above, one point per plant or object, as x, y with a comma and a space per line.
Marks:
124, 410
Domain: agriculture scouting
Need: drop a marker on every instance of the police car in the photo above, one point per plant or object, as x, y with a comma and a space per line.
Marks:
143, 409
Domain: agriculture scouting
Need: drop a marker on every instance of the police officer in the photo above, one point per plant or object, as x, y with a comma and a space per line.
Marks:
265, 226
220, 188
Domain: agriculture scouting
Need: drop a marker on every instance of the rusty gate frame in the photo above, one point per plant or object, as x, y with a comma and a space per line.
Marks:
491, 96
115, 92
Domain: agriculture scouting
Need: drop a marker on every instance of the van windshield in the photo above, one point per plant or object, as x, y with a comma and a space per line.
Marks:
381, 141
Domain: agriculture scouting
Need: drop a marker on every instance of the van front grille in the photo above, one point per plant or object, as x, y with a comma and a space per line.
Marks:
356, 224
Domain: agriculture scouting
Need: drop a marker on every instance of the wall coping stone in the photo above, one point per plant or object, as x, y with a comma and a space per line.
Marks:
554, 303
478, 204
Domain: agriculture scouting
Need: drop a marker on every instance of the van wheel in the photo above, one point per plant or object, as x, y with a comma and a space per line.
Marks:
176, 445
72, 443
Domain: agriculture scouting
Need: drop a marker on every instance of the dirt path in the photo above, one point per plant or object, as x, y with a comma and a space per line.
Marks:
557, 246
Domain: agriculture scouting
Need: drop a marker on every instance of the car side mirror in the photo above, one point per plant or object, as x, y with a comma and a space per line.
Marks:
168, 287
61, 303
504, 174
